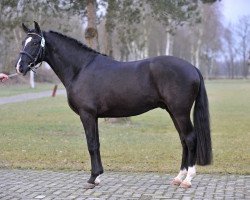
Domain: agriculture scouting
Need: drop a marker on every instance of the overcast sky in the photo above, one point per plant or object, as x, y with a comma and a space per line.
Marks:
234, 9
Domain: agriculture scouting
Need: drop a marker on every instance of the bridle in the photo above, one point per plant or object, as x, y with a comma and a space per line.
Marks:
40, 54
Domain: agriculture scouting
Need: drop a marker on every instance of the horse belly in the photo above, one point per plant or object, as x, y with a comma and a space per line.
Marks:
128, 105
126, 112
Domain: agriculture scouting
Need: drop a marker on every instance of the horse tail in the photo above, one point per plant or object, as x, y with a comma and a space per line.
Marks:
202, 126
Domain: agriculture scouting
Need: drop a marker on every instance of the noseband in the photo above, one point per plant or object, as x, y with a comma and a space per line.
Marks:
40, 54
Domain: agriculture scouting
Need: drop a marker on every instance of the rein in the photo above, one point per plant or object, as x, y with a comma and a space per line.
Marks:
40, 54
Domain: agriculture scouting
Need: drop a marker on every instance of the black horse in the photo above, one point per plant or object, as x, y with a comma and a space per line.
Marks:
98, 86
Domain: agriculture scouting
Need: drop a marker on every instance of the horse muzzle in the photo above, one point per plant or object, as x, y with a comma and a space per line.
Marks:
20, 69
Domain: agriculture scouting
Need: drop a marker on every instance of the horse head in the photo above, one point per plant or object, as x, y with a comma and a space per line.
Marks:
33, 49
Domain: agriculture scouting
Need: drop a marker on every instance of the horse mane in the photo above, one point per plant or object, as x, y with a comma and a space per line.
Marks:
77, 42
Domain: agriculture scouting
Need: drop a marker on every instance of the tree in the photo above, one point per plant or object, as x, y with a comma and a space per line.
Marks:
198, 40
91, 34
231, 52
129, 19
243, 31
173, 14
211, 42
110, 25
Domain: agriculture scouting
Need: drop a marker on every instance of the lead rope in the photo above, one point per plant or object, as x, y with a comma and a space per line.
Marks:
12, 75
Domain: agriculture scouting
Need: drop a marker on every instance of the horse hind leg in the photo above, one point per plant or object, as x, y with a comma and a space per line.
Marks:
184, 164
188, 139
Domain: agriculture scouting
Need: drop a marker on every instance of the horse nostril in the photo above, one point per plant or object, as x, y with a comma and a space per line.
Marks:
21, 70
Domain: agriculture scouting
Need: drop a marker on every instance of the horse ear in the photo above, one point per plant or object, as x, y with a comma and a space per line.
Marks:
25, 28
37, 27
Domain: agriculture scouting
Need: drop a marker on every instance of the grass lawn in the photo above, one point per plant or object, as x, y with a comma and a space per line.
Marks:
46, 134
10, 89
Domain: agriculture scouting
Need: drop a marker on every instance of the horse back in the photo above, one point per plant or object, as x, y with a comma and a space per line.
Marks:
113, 89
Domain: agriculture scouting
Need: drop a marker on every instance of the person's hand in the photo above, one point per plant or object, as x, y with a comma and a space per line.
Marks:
3, 77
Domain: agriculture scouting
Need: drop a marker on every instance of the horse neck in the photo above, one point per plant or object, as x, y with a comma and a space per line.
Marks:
65, 58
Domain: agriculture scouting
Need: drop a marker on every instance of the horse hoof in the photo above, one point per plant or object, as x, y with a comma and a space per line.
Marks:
89, 186
185, 185
176, 181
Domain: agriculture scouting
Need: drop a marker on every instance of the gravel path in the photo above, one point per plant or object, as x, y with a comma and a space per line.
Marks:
29, 96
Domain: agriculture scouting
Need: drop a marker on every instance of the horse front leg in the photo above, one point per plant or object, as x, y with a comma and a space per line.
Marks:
90, 124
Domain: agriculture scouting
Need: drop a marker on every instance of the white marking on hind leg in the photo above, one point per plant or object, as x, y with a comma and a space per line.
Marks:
190, 175
97, 180
180, 177
182, 174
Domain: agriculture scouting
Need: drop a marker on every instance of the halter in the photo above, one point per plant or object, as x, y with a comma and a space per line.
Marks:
40, 54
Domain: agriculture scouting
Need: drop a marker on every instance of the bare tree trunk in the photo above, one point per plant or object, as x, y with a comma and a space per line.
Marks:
245, 68
145, 33
232, 66
109, 45
248, 64
243, 32
192, 54
211, 69
15, 36
198, 48
169, 45
91, 34
169, 38
197, 55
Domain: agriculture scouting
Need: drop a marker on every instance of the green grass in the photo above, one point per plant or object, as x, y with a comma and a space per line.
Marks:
46, 134
10, 90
